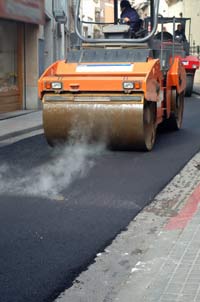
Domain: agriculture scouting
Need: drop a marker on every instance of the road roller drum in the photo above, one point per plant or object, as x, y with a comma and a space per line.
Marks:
120, 124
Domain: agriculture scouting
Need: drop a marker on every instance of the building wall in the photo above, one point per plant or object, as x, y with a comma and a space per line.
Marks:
192, 9
109, 12
88, 14
18, 85
31, 67
45, 45
11, 67
55, 35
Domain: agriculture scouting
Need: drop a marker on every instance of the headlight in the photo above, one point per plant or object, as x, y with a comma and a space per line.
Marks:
185, 62
194, 66
56, 85
128, 85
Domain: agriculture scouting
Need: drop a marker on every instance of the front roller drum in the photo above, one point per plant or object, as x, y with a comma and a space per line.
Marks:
119, 125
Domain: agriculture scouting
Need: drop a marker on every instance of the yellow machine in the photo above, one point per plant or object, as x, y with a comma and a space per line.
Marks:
117, 89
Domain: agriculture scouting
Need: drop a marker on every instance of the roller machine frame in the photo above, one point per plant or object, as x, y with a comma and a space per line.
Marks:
190, 61
114, 89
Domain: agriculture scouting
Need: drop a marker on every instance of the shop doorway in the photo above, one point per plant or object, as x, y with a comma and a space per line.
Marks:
11, 58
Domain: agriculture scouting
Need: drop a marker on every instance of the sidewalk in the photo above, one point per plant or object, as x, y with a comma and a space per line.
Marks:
196, 88
20, 122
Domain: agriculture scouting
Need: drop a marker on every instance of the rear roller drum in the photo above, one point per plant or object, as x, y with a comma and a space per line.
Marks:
175, 120
149, 121
189, 84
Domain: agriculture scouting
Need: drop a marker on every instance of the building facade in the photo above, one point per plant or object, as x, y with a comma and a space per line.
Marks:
192, 9
19, 23
31, 38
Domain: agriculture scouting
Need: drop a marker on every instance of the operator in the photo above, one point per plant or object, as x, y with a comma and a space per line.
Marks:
130, 15
179, 33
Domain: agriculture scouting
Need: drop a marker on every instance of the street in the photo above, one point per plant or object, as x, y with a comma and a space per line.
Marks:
61, 207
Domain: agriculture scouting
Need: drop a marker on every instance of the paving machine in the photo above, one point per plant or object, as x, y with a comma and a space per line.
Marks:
116, 88
190, 61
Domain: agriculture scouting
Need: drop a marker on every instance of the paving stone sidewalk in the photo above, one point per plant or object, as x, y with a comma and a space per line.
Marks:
170, 270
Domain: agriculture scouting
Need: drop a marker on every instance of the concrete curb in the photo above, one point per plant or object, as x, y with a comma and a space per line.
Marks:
196, 92
14, 114
14, 124
20, 132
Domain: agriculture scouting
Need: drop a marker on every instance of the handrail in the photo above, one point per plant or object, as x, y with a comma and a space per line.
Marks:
129, 40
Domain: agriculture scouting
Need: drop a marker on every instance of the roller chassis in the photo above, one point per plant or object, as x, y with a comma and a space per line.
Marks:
116, 92
189, 61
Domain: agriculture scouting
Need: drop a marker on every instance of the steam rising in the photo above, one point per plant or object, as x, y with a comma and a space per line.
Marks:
48, 180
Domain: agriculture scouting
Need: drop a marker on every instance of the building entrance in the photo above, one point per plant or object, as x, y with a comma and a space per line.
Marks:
10, 66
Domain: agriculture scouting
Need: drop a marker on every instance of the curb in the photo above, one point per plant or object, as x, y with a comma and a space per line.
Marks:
14, 114
196, 92
20, 132
196, 88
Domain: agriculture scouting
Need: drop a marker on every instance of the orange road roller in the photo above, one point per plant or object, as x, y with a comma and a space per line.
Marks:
116, 89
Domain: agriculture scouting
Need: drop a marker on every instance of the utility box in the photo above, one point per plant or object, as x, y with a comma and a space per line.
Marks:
59, 8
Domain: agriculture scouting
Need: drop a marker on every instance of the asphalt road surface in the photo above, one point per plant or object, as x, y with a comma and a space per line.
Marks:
59, 208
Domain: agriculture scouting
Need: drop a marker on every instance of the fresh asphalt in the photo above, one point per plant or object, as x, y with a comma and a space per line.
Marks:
47, 241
